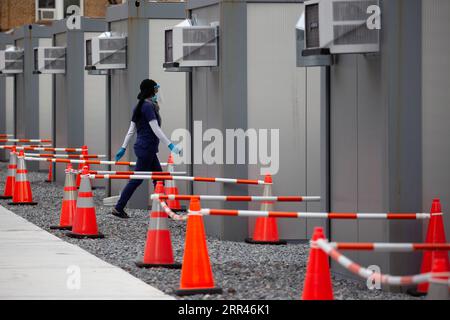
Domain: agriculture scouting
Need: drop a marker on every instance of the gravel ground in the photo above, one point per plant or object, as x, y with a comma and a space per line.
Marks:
244, 271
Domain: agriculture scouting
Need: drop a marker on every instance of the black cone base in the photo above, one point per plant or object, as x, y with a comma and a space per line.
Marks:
5, 198
280, 242
22, 203
60, 228
191, 292
48, 181
415, 293
85, 236
174, 265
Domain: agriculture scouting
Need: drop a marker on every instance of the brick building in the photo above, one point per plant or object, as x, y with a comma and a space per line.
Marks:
14, 13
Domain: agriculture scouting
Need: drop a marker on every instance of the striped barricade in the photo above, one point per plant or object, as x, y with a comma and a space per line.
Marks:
182, 178
390, 247
164, 173
25, 147
172, 214
66, 156
98, 162
26, 140
316, 215
46, 148
369, 274
237, 198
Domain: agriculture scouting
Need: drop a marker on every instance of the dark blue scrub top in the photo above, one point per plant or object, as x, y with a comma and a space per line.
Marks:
146, 139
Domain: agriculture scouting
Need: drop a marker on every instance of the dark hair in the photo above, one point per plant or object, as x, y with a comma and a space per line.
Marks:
147, 91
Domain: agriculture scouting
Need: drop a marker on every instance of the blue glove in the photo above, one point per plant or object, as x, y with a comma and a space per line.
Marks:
175, 149
120, 153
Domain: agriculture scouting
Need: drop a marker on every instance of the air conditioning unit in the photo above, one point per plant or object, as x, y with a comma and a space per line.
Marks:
341, 26
50, 60
191, 46
46, 14
11, 61
108, 51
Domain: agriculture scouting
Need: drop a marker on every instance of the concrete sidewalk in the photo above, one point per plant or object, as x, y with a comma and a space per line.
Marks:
34, 264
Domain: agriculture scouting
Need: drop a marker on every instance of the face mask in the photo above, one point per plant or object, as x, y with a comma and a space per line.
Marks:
155, 98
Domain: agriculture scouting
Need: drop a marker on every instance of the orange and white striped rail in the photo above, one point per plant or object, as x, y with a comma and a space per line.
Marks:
357, 269
172, 214
26, 140
316, 215
182, 178
25, 147
66, 156
390, 247
5, 136
99, 162
236, 198
299, 215
47, 148
160, 173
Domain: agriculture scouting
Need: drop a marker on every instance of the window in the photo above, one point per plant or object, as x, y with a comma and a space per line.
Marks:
46, 10
68, 3
55, 9
49, 4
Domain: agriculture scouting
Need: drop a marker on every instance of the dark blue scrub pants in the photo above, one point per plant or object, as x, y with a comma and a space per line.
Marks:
146, 161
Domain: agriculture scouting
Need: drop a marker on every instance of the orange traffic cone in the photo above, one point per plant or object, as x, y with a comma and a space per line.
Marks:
22, 188
84, 152
69, 204
11, 178
171, 188
158, 248
435, 234
317, 285
85, 222
196, 273
438, 286
266, 229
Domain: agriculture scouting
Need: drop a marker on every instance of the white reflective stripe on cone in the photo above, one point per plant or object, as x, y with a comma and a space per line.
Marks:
85, 187
157, 223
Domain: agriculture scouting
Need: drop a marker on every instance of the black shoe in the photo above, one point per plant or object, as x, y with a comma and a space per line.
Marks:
120, 214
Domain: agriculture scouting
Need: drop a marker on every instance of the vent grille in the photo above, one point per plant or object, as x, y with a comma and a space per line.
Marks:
354, 34
312, 26
55, 64
13, 61
53, 59
199, 35
112, 44
195, 53
118, 57
351, 10
46, 14
106, 53
54, 53
13, 65
13, 55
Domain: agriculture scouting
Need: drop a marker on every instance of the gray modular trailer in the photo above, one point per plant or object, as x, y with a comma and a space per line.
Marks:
33, 96
6, 98
388, 124
257, 86
80, 103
